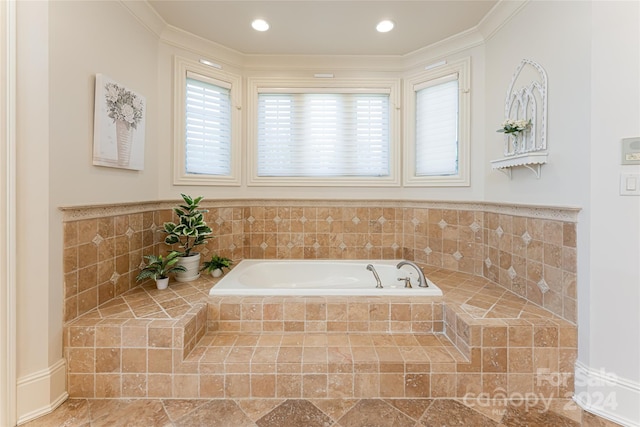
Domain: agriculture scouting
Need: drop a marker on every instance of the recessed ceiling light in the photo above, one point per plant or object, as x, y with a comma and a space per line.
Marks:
260, 25
385, 26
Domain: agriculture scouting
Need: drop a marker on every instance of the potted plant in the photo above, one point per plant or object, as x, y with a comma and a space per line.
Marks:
216, 265
159, 268
190, 231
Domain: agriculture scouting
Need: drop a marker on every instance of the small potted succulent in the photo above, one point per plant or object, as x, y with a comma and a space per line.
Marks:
159, 268
216, 265
190, 231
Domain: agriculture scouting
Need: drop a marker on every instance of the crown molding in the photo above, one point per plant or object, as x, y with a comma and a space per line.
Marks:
170, 35
498, 16
146, 15
181, 39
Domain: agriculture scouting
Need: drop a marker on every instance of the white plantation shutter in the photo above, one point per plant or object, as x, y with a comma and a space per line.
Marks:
323, 134
437, 127
208, 126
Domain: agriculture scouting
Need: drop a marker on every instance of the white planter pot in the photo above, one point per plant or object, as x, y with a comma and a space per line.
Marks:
216, 273
192, 264
162, 283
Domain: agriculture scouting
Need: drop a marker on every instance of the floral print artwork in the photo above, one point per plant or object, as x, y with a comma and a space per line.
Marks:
119, 126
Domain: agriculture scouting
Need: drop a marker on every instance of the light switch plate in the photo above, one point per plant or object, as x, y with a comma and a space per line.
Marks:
630, 184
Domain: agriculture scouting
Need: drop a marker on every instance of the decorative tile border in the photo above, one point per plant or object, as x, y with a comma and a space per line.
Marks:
558, 213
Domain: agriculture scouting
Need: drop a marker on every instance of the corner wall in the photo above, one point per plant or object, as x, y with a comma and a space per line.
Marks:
609, 360
590, 51
61, 46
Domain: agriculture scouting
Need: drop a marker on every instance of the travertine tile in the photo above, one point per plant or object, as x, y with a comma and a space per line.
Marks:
295, 412
216, 413
453, 413
375, 412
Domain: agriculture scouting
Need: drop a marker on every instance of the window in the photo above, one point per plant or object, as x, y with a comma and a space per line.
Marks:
207, 136
438, 127
332, 135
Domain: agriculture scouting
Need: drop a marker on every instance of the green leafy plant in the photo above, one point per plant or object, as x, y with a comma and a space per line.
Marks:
216, 262
191, 229
159, 268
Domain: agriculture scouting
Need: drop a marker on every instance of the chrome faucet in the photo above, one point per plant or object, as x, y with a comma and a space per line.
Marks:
422, 281
375, 274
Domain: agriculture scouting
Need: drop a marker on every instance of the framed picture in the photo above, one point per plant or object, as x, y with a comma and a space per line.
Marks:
118, 126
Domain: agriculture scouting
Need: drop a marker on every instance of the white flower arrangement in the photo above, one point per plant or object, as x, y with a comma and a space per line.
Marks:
123, 105
514, 126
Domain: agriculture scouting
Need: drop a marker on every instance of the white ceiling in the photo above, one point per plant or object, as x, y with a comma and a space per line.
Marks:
323, 27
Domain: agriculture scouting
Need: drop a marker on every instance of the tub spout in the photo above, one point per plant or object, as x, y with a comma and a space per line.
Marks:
375, 274
422, 281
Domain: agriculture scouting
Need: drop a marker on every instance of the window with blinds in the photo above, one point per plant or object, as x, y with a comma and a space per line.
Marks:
208, 128
323, 135
437, 127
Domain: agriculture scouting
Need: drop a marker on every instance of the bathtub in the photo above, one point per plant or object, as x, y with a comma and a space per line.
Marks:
319, 277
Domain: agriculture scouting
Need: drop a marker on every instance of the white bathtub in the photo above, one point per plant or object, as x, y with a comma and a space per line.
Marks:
319, 277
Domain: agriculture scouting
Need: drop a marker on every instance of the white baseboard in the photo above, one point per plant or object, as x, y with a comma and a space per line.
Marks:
607, 395
41, 392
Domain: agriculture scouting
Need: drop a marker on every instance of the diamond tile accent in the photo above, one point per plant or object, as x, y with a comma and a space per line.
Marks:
488, 262
219, 221
290, 245
457, 255
382, 220
526, 238
475, 227
395, 246
442, 224
316, 246
355, 220
129, 232
204, 251
303, 219
499, 231
512, 273
251, 219
232, 247
277, 219
263, 246
329, 219
142, 265
97, 240
154, 227
114, 277
428, 250
544, 288
368, 246
415, 222
342, 246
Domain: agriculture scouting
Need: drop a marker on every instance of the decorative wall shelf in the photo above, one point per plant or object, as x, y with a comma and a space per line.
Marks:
526, 100
531, 161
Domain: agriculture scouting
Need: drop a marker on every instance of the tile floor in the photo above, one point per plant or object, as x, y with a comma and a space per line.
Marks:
317, 413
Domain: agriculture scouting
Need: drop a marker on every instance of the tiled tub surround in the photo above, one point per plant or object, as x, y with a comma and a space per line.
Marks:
140, 345
529, 250
126, 341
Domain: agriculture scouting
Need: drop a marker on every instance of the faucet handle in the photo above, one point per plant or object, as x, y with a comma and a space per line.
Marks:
407, 281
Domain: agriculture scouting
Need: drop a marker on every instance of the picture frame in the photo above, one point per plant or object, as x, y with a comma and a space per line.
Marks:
119, 125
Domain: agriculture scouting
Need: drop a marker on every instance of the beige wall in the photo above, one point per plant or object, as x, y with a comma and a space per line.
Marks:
591, 53
61, 45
